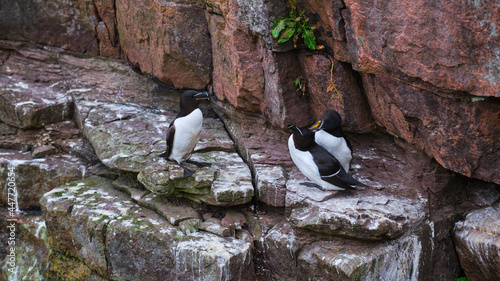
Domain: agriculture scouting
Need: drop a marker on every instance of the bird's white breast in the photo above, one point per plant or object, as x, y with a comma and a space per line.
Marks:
336, 146
187, 134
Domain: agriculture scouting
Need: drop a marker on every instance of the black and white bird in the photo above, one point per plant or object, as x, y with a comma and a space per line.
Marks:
329, 135
319, 166
184, 131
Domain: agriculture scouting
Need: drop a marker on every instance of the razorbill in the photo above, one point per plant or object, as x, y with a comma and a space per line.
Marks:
330, 136
319, 166
184, 131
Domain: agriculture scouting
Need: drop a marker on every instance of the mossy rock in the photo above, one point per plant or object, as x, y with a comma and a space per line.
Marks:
226, 182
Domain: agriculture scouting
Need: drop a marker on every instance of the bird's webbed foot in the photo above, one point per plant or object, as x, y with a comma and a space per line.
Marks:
187, 172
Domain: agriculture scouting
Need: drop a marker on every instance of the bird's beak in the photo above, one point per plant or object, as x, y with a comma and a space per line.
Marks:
202, 96
316, 126
295, 129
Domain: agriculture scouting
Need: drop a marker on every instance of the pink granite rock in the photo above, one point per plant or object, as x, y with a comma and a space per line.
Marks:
100, 18
461, 133
351, 105
171, 42
448, 45
54, 23
237, 75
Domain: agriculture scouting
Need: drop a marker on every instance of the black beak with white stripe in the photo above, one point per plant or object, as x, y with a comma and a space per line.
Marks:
319, 166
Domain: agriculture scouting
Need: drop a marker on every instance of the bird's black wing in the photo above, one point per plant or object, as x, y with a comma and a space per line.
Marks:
330, 169
170, 140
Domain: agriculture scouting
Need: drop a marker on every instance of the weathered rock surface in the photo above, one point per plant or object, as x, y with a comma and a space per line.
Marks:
100, 18
100, 233
348, 260
26, 105
174, 212
319, 74
237, 70
270, 186
462, 56
83, 77
125, 137
226, 182
130, 138
460, 133
283, 105
38, 170
34, 177
97, 225
44, 150
280, 247
477, 241
265, 150
172, 42
57, 24
361, 215
206, 257
31, 248
64, 136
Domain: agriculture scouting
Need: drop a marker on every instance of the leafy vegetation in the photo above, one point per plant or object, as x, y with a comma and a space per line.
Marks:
300, 84
294, 26
297, 24
463, 279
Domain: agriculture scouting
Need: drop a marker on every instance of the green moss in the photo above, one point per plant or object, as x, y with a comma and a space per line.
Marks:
75, 183
62, 267
59, 193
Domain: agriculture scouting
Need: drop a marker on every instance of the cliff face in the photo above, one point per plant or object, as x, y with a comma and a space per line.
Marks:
428, 73
419, 92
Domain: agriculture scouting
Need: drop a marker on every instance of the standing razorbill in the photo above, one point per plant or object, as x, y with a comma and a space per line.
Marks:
319, 166
184, 131
330, 136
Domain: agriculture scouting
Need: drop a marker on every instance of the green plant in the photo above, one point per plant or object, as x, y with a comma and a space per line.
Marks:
463, 279
300, 84
294, 26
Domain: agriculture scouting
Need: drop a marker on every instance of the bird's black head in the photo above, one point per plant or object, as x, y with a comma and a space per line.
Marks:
330, 120
190, 100
303, 138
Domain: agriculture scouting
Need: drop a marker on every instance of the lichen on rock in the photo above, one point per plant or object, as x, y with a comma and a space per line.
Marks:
226, 182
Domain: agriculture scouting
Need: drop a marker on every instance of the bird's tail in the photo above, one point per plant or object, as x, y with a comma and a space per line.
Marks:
350, 180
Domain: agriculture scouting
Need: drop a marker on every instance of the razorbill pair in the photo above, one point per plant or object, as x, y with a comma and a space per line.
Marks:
315, 161
184, 131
